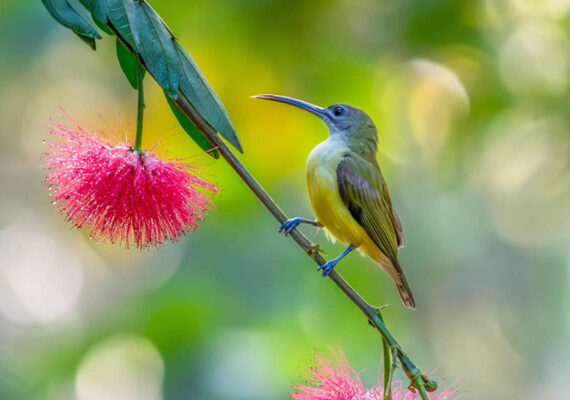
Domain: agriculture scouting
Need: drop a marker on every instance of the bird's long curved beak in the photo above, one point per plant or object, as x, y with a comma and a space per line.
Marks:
313, 109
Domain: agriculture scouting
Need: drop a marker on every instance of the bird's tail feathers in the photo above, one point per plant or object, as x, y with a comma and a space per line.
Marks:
405, 292
394, 269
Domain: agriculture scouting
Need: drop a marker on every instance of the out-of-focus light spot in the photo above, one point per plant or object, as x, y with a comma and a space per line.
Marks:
476, 347
534, 58
154, 270
242, 367
502, 12
136, 271
523, 167
61, 84
495, 10
310, 319
552, 382
525, 153
545, 8
34, 126
58, 390
123, 367
437, 97
40, 277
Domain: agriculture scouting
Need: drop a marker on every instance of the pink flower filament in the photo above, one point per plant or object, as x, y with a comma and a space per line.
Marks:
121, 195
336, 380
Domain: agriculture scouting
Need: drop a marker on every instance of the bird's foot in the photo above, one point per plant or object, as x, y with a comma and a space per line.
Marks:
289, 225
328, 267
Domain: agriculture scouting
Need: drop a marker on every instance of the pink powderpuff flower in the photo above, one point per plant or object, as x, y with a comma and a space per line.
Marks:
119, 194
336, 380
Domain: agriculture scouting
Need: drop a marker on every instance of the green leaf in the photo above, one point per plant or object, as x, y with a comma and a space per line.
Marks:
156, 47
88, 41
104, 27
200, 94
121, 14
99, 10
142, 31
191, 129
71, 14
145, 33
128, 63
175, 70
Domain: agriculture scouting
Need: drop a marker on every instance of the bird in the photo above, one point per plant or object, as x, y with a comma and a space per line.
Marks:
348, 193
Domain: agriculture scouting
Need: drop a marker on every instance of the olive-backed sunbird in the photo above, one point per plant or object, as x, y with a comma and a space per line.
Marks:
348, 193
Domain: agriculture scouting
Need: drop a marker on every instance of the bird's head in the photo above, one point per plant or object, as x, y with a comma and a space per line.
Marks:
349, 123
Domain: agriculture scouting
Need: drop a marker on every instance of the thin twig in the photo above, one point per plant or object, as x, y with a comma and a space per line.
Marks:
389, 367
140, 103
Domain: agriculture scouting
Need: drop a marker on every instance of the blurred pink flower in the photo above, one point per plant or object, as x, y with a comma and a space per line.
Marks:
336, 380
121, 195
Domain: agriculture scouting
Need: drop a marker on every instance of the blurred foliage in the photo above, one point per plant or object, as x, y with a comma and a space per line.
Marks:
471, 99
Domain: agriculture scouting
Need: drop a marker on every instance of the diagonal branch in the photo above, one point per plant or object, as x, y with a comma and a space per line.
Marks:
418, 380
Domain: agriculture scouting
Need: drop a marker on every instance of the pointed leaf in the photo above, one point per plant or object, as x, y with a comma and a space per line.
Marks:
174, 70
141, 30
71, 14
156, 47
88, 41
128, 63
191, 129
121, 14
103, 26
98, 8
200, 94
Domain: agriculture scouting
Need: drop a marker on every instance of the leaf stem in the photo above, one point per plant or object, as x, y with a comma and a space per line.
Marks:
140, 105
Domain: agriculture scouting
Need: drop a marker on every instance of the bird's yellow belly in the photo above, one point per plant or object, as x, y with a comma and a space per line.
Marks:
330, 210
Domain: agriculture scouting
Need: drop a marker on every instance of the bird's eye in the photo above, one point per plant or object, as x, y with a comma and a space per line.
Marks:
338, 111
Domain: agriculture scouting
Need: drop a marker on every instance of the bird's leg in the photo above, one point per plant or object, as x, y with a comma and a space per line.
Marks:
292, 223
329, 266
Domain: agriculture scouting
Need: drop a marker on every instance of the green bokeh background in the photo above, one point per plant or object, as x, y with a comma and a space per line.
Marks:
472, 103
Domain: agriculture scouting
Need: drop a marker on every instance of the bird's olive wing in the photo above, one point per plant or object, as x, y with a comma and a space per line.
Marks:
399, 229
364, 191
